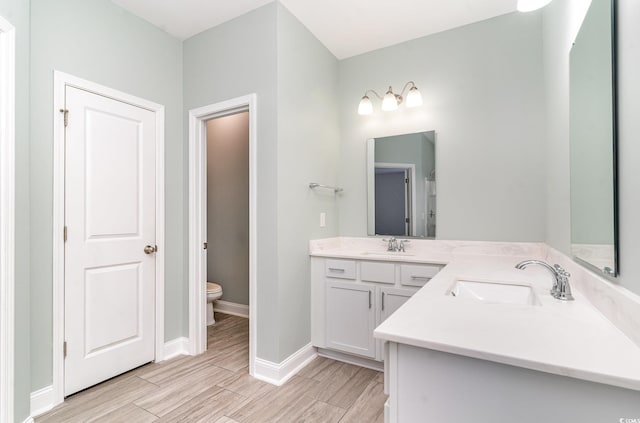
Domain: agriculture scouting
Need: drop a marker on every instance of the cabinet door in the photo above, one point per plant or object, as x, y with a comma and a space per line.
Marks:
350, 318
392, 299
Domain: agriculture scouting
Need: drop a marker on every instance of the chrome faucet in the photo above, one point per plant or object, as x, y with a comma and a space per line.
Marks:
561, 288
393, 244
396, 245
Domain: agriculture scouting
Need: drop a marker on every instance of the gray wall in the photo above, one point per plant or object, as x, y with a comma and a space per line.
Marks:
228, 205
231, 60
17, 12
308, 148
98, 41
295, 79
482, 86
561, 23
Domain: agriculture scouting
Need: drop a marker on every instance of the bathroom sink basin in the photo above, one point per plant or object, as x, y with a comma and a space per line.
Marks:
387, 253
494, 292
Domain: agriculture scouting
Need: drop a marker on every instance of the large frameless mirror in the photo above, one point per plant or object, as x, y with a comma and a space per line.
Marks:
401, 183
594, 236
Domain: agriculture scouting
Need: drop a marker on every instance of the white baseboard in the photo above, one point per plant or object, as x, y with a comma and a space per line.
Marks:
28, 420
278, 374
42, 401
233, 309
176, 347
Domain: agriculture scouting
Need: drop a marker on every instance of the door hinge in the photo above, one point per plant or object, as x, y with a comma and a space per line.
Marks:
406, 180
406, 220
65, 234
64, 349
66, 116
204, 246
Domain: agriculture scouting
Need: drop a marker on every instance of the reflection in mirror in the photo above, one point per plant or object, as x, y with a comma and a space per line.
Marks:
592, 126
401, 181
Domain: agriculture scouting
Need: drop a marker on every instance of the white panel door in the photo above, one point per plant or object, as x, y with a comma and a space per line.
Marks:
110, 218
350, 318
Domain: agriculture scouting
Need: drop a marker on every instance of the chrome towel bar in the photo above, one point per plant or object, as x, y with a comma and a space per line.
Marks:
314, 185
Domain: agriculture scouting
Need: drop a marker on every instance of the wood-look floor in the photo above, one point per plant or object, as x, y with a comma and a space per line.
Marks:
215, 387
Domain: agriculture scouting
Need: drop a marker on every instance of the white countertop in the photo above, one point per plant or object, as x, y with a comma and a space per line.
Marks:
566, 338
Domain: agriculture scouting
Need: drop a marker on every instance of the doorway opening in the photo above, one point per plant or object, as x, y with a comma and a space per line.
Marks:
222, 221
227, 217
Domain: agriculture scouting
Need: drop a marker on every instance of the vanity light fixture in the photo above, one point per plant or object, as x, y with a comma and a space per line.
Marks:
391, 100
531, 5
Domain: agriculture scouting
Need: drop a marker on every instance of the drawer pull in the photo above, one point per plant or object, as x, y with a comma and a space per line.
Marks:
335, 269
420, 278
383, 301
369, 299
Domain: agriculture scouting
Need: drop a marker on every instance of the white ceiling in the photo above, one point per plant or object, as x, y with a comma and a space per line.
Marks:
346, 27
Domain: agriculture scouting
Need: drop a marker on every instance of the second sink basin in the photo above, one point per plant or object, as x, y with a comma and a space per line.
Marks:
494, 292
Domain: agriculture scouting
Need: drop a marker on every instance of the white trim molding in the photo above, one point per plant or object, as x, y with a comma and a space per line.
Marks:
61, 81
28, 420
234, 309
278, 373
42, 400
198, 223
7, 219
176, 347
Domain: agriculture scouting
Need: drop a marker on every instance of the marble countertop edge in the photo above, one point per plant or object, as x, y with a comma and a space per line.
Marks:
560, 370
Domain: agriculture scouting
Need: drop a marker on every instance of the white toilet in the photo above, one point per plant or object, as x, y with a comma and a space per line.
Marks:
214, 292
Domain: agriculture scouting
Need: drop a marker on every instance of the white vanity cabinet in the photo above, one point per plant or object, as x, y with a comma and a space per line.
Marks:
350, 298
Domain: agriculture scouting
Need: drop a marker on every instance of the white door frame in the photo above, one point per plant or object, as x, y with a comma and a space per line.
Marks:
197, 222
412, 168
7, 217
62, 80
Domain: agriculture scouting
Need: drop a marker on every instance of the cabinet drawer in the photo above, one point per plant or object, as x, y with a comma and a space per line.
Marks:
343, 269
418, 274
371, 271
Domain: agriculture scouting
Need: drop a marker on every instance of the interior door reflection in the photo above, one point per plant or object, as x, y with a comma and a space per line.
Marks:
393, 215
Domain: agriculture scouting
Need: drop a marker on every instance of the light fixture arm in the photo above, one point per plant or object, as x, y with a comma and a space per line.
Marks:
413, 84
375, 93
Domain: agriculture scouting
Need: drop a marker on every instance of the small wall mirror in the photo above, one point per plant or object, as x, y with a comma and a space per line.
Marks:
594, 236
401, 183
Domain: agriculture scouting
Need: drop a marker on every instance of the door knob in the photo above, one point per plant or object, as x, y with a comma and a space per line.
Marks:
150, 249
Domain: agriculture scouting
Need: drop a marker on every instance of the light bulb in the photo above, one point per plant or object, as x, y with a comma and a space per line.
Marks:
414, 98
389, 101
531, 5
365, 107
